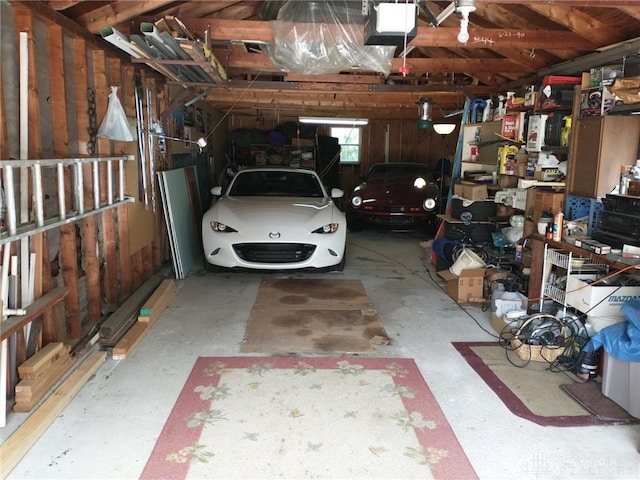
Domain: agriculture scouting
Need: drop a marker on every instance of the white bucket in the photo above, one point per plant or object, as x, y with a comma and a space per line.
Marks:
466, 260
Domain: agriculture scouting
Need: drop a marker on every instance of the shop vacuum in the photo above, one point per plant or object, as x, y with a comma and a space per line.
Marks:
587, 364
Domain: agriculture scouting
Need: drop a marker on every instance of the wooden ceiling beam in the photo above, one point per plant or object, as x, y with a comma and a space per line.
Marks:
63, 4
600, 33
259, 31
116, 12
340, 78
258, 62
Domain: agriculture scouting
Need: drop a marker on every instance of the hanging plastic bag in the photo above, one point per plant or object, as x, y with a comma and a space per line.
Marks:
115, 125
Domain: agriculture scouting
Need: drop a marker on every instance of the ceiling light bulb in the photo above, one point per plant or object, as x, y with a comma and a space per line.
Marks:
463, 35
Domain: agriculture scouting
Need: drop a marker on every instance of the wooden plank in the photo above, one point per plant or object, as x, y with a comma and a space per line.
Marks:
41, 360
214, 69
14, 324
19, 443
34, 390
157, 302
129, 341
129, 309
35, 336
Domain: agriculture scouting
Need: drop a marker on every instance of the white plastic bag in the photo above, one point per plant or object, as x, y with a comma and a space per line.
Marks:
115, 125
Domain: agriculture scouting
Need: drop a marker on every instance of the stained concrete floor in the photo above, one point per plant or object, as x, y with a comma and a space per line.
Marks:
109, 429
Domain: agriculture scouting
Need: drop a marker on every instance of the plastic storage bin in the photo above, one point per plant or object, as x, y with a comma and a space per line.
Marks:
621, 383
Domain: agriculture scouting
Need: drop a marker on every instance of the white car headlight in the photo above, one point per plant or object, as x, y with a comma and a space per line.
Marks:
356, 201
420, 182
328, 228
221, 227
429, 204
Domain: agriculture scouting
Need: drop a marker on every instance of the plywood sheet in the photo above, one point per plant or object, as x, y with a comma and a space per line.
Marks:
312, 316
141, 221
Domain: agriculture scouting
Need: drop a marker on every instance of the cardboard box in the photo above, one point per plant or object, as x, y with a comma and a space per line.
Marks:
510, 126
547, 174
593, 246
466, 288
605, 75
500, 327
597, 101
556, 91
470, 191
520, 199
598, 300
535, 132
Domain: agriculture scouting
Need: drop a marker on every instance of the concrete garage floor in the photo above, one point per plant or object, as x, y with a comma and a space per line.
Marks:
109, 429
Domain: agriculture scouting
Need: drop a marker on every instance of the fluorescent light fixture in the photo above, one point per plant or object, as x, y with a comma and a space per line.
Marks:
444, 128
334, 120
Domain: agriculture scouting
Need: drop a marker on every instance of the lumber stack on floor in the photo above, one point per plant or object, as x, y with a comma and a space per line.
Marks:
19, 443
114, 328
149, 313
40, 373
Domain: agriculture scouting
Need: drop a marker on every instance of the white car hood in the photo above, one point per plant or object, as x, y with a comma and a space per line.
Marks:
272, 212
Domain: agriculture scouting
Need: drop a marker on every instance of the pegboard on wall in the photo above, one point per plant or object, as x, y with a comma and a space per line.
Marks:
580, 207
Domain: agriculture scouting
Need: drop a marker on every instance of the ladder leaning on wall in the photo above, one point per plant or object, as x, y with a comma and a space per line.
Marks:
22, 230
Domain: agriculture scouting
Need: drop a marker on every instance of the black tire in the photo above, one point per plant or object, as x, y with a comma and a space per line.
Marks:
475, 212
211, 268
476, 232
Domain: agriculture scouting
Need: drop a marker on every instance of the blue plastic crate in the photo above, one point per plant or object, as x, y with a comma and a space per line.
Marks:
579, 207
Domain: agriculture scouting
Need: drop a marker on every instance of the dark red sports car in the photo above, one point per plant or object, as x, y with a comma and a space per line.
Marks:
400, 196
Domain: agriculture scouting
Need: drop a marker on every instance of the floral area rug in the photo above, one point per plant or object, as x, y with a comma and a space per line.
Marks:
296, 417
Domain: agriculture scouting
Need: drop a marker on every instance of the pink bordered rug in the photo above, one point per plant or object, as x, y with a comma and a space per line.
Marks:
304, 417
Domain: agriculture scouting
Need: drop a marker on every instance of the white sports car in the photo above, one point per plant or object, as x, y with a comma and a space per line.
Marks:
274, 218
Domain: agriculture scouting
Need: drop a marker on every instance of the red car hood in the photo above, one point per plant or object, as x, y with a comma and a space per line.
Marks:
396, 191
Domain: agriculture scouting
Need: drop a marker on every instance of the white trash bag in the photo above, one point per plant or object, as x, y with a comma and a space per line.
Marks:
115, 125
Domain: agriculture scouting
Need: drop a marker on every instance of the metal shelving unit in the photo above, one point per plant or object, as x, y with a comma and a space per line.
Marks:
570, 265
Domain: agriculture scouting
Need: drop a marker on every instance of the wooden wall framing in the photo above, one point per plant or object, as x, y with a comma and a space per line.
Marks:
93, 255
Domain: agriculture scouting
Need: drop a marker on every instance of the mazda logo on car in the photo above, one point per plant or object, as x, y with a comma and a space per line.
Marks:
274, 235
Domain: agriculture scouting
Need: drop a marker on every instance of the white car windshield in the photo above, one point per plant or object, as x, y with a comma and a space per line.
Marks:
275, 183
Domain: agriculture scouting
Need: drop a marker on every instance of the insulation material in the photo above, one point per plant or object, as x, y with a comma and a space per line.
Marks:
315, 38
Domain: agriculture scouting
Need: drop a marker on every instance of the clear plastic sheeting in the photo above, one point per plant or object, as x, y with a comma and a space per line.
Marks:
324, 37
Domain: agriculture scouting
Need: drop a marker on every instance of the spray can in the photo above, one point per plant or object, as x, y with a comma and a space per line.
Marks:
625, 179
558, 223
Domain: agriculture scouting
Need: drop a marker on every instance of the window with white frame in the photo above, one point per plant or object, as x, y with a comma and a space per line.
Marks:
349, 140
